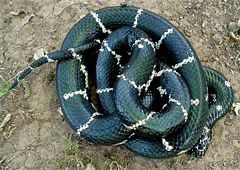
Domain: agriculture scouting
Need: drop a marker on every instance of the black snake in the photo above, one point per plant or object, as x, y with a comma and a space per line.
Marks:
126, 76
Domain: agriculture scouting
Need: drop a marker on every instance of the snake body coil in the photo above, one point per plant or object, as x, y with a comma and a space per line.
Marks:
126, 76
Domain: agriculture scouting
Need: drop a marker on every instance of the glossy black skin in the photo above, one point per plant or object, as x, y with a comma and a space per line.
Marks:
122, 106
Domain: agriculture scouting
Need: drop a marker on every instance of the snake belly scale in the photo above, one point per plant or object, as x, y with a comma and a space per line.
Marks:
126, 76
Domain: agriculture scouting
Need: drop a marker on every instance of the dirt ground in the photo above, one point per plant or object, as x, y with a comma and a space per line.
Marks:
36, 137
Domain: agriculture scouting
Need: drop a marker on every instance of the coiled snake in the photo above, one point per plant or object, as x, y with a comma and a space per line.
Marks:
126, 76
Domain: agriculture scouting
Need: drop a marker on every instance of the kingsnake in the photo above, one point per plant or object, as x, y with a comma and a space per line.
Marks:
126, 76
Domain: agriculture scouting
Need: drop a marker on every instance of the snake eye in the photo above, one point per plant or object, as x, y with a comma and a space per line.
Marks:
131, 38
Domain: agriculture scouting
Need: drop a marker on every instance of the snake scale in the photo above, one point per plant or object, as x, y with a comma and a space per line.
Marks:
126, 76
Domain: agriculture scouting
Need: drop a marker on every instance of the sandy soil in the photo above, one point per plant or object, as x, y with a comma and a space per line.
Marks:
36, 137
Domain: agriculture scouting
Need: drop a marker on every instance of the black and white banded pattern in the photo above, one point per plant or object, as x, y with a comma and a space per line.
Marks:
153, 67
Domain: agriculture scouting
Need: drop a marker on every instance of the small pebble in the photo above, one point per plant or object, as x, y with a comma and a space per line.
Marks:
233, 26
218, 38
90, 166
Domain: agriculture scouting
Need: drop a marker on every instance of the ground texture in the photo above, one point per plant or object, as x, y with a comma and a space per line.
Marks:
36, 137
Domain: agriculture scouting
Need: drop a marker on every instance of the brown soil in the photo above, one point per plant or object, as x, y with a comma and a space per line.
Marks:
36, 137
